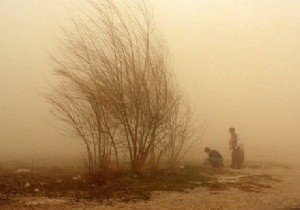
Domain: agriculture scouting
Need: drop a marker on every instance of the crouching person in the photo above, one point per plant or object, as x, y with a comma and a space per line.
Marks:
215, 159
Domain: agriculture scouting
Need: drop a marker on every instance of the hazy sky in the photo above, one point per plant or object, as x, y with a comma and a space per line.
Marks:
238, 62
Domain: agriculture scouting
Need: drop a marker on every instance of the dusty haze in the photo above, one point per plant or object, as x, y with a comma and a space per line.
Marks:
237, 61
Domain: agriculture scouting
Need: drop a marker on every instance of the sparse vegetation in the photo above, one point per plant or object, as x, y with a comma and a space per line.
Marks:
69, 186
116, 90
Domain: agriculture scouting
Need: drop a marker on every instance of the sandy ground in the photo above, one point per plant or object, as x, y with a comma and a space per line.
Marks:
283, 194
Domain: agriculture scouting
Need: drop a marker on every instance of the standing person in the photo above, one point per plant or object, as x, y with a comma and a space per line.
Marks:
237, 149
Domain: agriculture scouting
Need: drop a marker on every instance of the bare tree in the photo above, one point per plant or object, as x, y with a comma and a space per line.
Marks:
115, 88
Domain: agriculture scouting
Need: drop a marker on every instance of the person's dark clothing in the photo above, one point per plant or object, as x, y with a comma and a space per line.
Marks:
215, 158
237, 157
214, 154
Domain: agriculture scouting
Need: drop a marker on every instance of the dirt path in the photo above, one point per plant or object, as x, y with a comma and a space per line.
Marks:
253, 188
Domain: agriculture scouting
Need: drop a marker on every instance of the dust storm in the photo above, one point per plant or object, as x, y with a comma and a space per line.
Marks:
236, 62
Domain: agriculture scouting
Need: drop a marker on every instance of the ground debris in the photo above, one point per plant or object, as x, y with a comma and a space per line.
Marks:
23, 170
74, 185
245, 182
78, 177
3, 197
